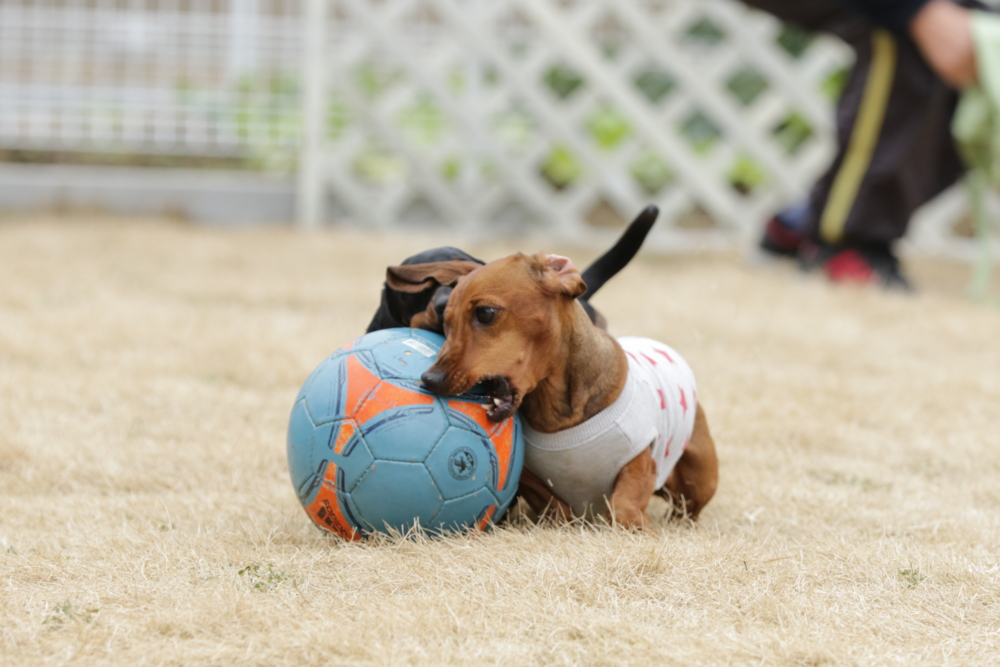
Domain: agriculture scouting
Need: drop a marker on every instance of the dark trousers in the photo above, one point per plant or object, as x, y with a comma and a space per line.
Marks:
894, 145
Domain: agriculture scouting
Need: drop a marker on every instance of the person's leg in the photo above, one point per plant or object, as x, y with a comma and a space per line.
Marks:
894, 151
785, 233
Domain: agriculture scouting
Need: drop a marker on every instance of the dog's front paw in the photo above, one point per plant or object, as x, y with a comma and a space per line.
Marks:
629, 517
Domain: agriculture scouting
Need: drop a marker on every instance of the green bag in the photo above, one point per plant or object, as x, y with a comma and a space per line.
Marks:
976, 129
976, 124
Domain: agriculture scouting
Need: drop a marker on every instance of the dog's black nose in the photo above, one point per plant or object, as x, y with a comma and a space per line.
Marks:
433, 379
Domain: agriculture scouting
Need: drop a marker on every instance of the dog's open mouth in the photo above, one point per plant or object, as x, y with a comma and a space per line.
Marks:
502, 395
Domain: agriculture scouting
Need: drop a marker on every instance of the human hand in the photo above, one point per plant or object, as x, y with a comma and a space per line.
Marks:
943, 32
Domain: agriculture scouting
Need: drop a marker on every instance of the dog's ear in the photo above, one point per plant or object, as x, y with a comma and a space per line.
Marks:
568, 278
414, 278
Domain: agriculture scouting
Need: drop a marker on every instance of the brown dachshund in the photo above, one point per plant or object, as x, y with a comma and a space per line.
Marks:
608, 422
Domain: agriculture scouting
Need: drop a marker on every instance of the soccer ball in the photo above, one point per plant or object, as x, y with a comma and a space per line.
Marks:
371, 449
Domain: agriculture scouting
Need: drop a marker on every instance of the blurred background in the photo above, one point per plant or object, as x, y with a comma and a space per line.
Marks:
556, 117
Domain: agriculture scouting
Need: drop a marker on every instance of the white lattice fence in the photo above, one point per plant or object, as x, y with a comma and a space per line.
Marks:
561, 116
567, 116
181, 77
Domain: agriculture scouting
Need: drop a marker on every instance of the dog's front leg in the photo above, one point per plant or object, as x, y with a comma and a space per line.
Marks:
633, 488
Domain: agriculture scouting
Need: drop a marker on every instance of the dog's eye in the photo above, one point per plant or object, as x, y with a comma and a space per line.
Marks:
485, 314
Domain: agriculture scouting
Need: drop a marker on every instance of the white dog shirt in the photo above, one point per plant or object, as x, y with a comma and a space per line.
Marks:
656, 407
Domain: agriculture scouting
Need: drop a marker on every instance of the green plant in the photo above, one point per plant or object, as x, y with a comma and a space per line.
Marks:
563, 81
262, 577
514, 127
700, 132
706, 31
379, 166
833, 84
911, 576
374, 78
338, 117
792, 132
655, 84
794, 40
746, 174
68, 612
747, 85
651, 171
608, 127
561, 167
424, 122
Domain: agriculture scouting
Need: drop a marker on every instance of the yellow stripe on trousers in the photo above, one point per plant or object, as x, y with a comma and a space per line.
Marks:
864, 137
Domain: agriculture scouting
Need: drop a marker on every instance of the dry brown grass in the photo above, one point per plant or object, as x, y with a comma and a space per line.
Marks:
146, 374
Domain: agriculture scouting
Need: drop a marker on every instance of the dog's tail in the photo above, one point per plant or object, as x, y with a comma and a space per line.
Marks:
621, 253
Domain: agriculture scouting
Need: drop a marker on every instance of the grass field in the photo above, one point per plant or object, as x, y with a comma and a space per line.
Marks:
147, 370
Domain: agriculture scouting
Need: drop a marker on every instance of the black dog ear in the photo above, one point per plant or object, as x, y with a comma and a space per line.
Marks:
414, 278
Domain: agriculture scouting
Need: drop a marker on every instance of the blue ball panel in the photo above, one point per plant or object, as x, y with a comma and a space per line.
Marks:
306, 456
408, 433
407, 355
350, 452
311, 448
327, 391
392, 494
465, 512
351, 513
461, 464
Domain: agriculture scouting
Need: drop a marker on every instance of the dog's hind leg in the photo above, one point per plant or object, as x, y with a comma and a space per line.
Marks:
693, 481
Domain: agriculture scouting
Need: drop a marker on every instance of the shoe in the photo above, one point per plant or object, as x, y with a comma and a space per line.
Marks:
860, 264
780, 238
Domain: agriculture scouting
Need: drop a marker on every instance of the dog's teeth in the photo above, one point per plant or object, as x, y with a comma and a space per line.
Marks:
497, 402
